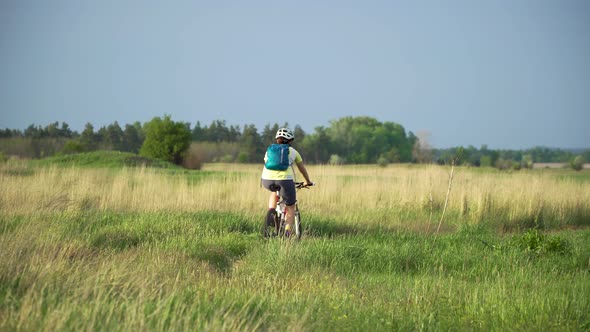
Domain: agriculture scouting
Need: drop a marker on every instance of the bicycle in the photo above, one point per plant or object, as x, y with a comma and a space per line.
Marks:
274, 224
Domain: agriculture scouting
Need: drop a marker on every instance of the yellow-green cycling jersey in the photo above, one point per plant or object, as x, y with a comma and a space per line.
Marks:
288, 174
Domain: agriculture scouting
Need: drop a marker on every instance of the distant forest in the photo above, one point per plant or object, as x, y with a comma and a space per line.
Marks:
348, 140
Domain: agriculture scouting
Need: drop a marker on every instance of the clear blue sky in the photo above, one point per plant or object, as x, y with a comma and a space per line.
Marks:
509, 74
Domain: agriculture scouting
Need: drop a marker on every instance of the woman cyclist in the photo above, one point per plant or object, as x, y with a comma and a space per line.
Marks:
284, 180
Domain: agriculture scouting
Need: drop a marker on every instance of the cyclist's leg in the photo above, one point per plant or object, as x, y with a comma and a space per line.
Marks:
288, 193
272, 186
290, 217
272, 201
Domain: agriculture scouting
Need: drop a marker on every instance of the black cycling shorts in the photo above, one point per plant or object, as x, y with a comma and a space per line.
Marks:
286, 189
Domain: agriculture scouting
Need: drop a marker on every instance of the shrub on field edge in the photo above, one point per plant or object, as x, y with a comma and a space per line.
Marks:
72, 147
527, 161
577, 163
166, 140
243, 157
535, 241
192, 161
382, 161
336, 160
504, 164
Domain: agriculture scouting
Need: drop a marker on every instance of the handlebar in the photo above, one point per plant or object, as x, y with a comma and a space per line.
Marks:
300, 185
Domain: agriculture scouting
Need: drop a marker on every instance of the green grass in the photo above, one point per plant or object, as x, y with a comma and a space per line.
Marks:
212, 271
114, 160
109, 159
582, 176
89, 269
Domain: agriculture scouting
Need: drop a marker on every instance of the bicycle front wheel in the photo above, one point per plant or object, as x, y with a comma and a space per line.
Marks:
298, 225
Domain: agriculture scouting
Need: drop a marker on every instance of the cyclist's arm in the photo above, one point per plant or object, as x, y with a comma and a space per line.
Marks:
303, 171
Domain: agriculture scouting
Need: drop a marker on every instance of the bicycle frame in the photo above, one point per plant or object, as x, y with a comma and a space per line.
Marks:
278, 221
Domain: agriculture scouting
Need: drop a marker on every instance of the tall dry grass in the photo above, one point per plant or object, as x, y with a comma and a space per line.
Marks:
395, 195
65, 270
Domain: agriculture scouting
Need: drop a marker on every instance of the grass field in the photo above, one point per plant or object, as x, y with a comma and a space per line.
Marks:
120, 248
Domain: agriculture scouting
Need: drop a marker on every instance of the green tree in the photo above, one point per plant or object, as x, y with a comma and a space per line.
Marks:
299, 133
65, 131
199, 133
33, 131
166, 140
251, 145
219, 132
88, 138
485, 161
316, 147
114, 137
52, 130
471, 156
132, 138
8, 133
268, 134
365, 140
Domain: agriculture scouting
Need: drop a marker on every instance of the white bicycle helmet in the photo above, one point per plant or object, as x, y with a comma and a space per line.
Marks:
285, 133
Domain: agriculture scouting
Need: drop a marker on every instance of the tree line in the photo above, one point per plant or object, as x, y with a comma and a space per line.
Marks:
510, 159
348, 140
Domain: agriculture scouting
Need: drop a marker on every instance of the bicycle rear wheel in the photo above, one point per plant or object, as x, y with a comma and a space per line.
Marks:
270, 227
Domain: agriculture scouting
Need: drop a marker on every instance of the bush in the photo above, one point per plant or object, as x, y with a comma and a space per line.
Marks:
527, 161
215, 151
336, 160
516, 166
485, 161
503, 164
166, 140
72, 147
382, 161
192, 161
539, 243
228, 158
577, 163
243, 157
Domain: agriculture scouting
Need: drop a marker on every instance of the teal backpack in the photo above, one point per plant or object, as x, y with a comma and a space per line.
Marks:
277, 157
